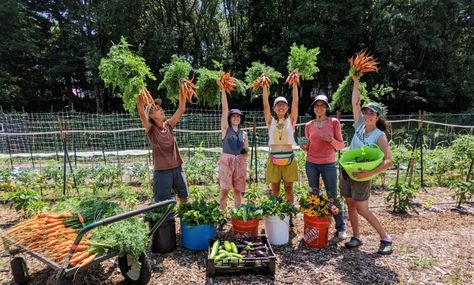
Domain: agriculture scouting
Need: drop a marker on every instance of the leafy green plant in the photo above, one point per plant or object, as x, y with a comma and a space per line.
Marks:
206, 86
129, 72
139, 172
463, 191
402, 196
254, 193
200, 212
277, 206
247, 212
304, 60
258, 69
173, 74
105, 176
27, 200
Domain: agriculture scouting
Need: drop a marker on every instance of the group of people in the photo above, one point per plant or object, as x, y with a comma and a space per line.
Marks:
324, 139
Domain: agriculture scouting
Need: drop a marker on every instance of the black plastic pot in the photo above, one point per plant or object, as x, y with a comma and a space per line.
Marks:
164, 238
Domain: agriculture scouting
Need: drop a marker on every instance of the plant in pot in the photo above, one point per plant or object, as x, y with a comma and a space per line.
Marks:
164, 235
277, 213
317, 208
198, 223
245, 219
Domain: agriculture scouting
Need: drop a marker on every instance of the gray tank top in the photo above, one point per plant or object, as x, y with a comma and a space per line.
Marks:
360, 138
233, 142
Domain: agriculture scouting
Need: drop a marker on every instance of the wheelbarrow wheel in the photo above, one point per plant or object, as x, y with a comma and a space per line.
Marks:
133, 272
19, 270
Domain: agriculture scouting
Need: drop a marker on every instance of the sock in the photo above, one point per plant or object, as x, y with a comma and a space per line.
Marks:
388, 238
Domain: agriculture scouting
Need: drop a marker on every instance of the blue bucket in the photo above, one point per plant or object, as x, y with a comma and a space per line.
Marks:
197, 237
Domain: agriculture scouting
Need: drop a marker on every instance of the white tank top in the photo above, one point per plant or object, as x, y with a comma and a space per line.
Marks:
281, 133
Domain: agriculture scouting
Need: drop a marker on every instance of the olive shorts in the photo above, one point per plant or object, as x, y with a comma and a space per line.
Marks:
357, 190
275, 173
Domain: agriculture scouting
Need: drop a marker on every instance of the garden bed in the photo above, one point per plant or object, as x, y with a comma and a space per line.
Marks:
431, 247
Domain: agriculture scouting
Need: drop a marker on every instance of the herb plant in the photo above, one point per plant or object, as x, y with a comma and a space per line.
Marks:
200, 212
247, 212
277, 206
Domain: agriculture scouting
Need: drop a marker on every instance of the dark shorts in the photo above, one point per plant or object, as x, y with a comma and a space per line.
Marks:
357, 190
164, 181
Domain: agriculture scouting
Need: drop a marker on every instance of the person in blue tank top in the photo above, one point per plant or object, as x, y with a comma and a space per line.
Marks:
233, 161
369, 125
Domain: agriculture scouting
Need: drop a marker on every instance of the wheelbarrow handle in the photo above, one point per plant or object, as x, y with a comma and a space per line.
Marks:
114, 219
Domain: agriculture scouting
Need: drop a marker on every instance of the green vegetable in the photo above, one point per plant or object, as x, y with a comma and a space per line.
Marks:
304, 60
234, 247
277, 206
174, 72
201, 212
122, 69
206, 85
247, 212
227, 246
258, 69
215, 248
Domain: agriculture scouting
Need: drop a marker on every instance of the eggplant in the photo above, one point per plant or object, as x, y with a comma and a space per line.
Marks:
260, 253
244, 252
262, 248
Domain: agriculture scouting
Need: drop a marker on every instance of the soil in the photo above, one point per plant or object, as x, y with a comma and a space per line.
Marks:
432, 245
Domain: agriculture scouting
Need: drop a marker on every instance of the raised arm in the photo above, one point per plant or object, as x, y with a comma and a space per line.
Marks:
355, 98
179, 113
266, 107
294, 106
225, 111
141, 111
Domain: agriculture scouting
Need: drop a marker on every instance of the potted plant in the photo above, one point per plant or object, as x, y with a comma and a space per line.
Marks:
164, 237
277, 213
245, 219
198, 223
316, 209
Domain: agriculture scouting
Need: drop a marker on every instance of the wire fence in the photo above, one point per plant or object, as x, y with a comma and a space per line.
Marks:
29, 136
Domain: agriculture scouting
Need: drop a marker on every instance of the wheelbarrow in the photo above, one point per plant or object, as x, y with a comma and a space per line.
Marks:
134, 273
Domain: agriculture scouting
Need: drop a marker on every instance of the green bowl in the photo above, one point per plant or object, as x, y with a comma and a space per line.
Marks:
361, 159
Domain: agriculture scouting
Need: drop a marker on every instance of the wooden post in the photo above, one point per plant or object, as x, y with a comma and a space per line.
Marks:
395, 197
470, 170
411, 169
422, 118
254, 130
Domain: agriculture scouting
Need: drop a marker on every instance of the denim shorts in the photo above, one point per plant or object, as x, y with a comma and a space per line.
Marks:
357, 190
164, 181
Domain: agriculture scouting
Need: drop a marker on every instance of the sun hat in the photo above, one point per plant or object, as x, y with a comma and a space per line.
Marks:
238, 112
321, 97
376, 107
280, 99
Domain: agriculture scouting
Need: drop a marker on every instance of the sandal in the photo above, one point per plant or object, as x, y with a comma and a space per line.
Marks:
354, 243
385, 247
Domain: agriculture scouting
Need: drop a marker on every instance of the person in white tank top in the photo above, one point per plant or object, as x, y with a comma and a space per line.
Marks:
281, 164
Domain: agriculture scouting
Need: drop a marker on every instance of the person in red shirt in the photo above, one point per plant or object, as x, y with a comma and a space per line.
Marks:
324, 138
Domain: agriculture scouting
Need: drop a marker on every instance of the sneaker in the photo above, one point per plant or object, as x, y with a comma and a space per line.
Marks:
385, 247
341, 235
353, 243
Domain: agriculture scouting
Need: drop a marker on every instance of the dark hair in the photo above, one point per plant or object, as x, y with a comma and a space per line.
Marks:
313, 114
384, 126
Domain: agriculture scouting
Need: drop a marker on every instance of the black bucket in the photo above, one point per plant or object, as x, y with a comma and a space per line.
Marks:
164, 238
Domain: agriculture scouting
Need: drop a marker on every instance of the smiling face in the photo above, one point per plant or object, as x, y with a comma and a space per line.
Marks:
280, 109
235, 120
320, 108
370, 117
157, 113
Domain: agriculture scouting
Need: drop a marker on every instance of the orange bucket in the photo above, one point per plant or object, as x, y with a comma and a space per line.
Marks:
316, 232
243, 229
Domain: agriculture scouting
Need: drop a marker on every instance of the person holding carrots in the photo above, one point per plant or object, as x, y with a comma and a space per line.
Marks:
168, 173
281, 123
233, 161
369, 125
324, 138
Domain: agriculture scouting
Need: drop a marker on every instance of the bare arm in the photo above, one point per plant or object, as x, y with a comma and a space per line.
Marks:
337, 142
294, 106
179, 113
246, 144
355, 98
141, 112
266, 107
387, 160
225, 111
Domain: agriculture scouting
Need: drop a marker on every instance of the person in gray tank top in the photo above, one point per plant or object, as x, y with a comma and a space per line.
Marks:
233, 161
369, 125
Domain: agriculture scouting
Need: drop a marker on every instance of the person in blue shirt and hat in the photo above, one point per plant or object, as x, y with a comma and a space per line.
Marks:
233, 161
370, 127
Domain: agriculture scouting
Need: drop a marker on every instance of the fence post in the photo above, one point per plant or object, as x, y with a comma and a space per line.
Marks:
422, 117
255, 144
10, 152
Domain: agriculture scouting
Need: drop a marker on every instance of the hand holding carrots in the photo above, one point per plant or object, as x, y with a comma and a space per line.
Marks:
293, 78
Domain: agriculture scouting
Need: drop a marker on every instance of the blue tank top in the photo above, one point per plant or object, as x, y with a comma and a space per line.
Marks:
360, 138
233, 142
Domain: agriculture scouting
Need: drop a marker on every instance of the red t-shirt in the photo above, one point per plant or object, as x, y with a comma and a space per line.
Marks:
165, 150
320, 151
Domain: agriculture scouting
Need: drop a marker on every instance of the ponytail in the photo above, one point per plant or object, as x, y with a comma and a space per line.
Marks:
384, 126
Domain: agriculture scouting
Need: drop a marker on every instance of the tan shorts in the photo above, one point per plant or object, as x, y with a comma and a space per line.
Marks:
232, 172
275, 173
357, 190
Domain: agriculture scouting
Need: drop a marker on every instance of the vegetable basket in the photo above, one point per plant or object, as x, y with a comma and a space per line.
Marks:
263, 264
365, 158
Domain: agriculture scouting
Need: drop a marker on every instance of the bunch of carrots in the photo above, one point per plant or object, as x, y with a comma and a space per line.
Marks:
145, 94
228, 82
293, 78
362, 62
53, 235
260, 82
188, 89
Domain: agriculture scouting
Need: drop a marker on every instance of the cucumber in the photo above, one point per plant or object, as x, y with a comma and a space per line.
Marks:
227, 246
234, 247
215, 247
220, 257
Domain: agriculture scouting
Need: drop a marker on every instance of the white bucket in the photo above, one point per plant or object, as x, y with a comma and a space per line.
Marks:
277, 229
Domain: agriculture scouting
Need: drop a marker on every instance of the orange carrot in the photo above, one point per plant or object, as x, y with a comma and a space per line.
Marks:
75, 260
87, 261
